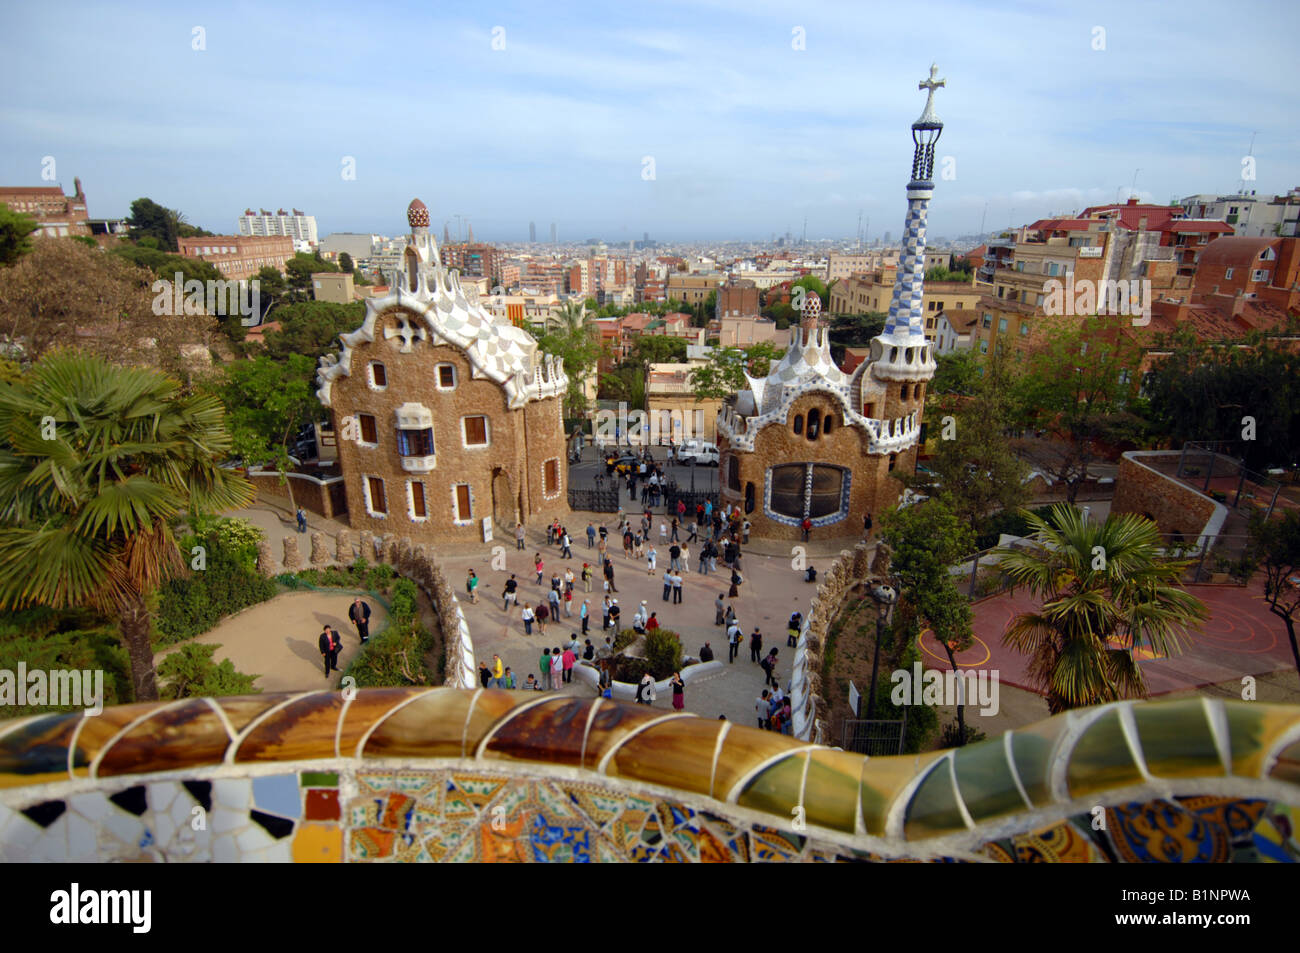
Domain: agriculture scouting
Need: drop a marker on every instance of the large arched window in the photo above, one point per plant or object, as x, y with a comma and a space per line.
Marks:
814, 423
813, 490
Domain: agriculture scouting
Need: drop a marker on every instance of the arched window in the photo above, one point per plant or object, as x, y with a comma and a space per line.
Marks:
798, 423
903, 392
893, 459
814, 423
827, 423
733, 473
412, 269
749, 497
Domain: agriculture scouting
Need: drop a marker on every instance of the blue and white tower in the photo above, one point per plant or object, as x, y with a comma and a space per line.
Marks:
902, 353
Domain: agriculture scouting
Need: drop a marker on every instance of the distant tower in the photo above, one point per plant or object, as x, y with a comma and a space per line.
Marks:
900, 352
446, 233
532, 233
552, 233
471, 233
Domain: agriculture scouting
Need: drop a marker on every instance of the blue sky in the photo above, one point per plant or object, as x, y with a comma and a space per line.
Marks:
748, 134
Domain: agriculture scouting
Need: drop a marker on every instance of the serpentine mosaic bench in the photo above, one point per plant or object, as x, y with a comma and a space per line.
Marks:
488, 775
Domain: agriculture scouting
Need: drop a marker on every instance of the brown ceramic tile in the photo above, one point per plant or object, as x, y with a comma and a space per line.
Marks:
613, 722
303, 729
552, 732
36, 752
371, 707
173, 737
98, 731
321, 805
432, 726
1287, 767
678, 753
241, 710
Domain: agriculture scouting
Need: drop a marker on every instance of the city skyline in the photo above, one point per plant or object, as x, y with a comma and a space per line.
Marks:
510, 115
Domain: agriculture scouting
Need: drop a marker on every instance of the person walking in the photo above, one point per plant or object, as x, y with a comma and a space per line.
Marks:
557, 668
609, 576
806, 526
584, 613
734, 638
602, 550
668, 585
528, 616
677, 590
792, 634
591, 535
755, 645
519, 536
674, 557
498, 672
567, 661
763, 707
327, 651
605, 614
586, 577
553, 597
471, 586
543, 614
651, 555
566, 552
510, 594
679, 691
866, 526
769, 668
719, 609
359, 615
484, 675
539, 566
302, 520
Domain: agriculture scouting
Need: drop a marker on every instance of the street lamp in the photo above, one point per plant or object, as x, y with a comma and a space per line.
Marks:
885, 597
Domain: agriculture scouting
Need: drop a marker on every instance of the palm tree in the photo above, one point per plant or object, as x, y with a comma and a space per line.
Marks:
1106, 590
96, 462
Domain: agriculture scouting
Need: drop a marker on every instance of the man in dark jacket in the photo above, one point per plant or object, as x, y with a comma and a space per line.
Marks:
329, 650
359, 615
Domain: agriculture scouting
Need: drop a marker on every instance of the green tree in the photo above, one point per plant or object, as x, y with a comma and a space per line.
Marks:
271, 289
95, 463
925, 540
299, 270
345, 263
190, 672
15, 235
1277, 549
657, 349
268, 401
940, 273
1105, 591
724, 374
573, 338
955, 373
148, 219
1208, 391
311, 328
1079, 387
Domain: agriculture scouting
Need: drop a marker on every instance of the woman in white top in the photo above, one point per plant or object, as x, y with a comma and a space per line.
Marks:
557, 669
651, 555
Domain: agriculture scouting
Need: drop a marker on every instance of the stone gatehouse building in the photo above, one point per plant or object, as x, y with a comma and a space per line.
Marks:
446, 417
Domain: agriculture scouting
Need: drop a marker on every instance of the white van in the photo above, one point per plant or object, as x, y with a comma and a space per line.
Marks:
703, 454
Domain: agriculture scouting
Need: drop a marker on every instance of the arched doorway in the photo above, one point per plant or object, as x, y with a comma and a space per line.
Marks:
503, 508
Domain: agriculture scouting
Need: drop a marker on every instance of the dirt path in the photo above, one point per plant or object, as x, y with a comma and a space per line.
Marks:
276, 639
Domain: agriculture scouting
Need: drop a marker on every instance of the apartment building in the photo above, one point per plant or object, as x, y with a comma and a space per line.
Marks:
1250, 215
295, 224
692, 289
333, 286
239, 256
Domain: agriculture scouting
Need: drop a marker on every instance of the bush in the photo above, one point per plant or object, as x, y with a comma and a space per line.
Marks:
395, 657
402, 604
951, 738
191, 673
236, 535
192, 605
59, 639
663, 653
379, 578
624, 638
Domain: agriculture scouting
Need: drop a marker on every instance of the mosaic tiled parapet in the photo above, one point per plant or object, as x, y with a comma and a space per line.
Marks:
453, 775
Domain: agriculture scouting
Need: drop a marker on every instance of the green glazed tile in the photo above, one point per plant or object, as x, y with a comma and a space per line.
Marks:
830, 794
1253, 728
1101, 760
776, 788
1032, 752
1176, 740
984, 779
933, 810
319, 779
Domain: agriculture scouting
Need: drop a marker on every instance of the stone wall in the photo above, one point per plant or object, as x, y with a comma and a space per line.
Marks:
311, 493
849, 569
1177, 508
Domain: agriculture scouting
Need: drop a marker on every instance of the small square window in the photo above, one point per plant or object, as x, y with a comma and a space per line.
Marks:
378, 376
446, 376
475, 431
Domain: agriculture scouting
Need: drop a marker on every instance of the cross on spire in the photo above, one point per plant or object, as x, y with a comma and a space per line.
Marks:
930, 85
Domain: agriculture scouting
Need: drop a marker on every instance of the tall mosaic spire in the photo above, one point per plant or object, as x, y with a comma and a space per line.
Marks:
906, 322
